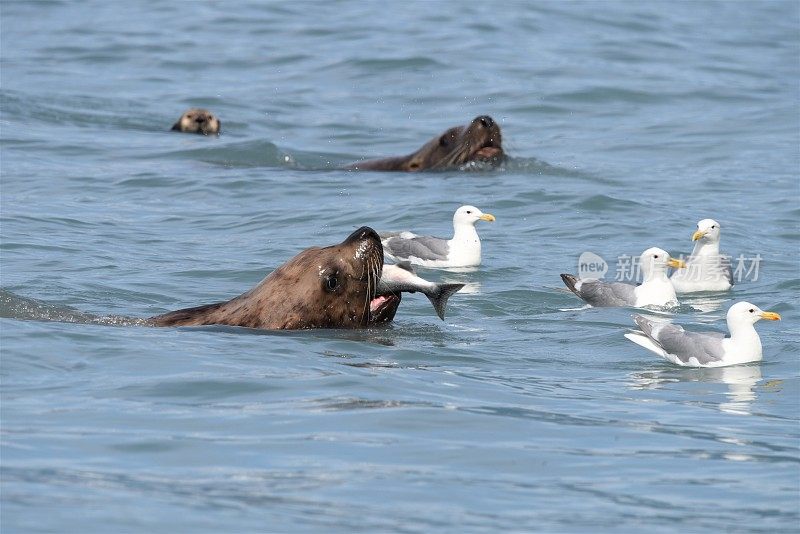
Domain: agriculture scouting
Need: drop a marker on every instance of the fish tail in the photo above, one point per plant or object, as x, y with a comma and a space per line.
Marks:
439, 296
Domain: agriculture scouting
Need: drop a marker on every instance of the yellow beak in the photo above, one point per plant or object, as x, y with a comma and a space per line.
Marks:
676, 264
698, 234
770, 316
487, 217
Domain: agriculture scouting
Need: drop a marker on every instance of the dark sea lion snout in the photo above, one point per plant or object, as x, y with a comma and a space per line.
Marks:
485, 140
365, 232
364, 245
485, 120
485, 131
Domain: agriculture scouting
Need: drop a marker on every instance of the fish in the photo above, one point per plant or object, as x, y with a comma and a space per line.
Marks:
401, 277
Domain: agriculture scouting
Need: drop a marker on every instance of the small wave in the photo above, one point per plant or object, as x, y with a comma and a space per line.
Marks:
256, 153
388, 64
601, 203
240, 154
27, 309
606, 95
338, 404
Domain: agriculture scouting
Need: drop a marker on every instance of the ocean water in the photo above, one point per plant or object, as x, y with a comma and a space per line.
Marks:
626, 123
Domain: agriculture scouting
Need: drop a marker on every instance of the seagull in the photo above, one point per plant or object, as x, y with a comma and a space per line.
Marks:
655, 290
706, 269
462, 250
706, 349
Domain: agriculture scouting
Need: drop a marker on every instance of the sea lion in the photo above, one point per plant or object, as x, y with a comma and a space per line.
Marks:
480, 140
197, 120
331, 287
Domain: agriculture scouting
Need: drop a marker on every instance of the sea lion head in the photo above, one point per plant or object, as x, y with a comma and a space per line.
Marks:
480, 140
197, 120
331, 287
321, 287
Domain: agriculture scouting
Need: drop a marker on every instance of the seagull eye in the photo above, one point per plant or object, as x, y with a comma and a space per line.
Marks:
656, 256
752, 310
712, 227
469, 212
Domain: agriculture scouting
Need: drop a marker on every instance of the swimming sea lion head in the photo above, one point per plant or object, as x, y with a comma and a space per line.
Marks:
197, 120
480, 140
330, 287
321, 287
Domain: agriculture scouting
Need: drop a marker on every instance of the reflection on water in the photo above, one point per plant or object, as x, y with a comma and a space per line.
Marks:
470, 288
460, 270
706, 303
740, 379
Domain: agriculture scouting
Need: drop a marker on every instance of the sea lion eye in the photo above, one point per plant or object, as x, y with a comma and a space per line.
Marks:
331, 282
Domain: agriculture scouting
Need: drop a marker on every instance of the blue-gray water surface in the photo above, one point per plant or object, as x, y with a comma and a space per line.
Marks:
626, 123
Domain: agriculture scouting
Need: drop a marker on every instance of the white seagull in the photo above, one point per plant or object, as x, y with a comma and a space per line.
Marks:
706, 269
462, 250
655, 290
706, 349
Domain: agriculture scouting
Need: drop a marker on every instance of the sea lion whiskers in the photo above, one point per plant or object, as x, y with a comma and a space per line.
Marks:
456, 157
365, 275
372, 285
368, 292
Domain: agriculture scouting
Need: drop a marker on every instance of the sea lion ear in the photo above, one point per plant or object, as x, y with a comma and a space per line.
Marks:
177, 126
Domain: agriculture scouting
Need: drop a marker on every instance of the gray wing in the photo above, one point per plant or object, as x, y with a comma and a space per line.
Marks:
705, 347
599, 293
422, 247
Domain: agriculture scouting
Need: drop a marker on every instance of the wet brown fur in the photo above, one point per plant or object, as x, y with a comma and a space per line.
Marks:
197, 120
480, 140
297, 295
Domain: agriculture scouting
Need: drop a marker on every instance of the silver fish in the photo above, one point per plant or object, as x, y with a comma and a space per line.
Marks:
401, 277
